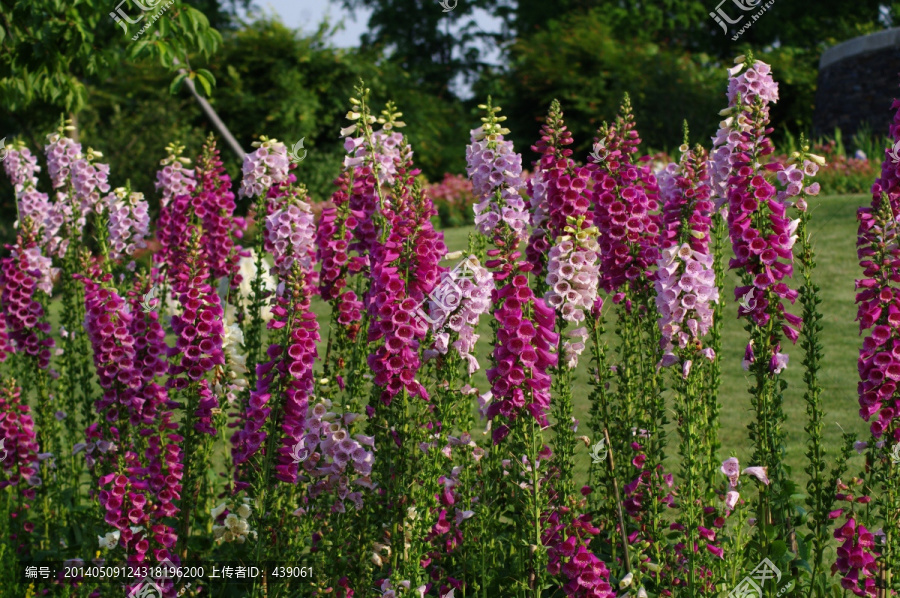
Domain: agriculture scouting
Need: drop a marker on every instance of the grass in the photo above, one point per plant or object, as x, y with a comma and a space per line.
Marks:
833, 234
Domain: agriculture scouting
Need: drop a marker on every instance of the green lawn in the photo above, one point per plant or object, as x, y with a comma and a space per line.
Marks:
833, 230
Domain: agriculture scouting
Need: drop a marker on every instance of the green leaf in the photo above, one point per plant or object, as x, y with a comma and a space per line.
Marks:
205, 83
173, 87
207, 75
778, 549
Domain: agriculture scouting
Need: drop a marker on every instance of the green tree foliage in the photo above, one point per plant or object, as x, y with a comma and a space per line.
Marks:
270, 81
433, 46
51, 49
578, 60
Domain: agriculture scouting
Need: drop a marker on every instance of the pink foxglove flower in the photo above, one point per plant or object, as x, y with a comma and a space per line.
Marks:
731, 468
572, 279
264, 168
758, 472
685, 282
129, 222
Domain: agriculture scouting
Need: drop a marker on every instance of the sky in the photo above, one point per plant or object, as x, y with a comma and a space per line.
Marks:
307, 14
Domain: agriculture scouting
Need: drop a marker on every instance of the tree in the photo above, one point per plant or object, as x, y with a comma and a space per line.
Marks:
53, 48
433, 45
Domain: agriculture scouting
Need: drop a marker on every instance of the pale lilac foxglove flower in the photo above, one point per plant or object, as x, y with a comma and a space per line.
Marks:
731, 498
758, 472
129, 222
475, 285
264, 168
731, 468
495, 171
174, 178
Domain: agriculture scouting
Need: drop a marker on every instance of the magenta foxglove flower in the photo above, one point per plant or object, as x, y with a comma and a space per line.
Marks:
159, 476
524, 352
560, 195
21, 276
214, 207
569, 556
625, 201
199, 328
333, 236
285, 383
20, 445
763, 252
412, 244
856, 558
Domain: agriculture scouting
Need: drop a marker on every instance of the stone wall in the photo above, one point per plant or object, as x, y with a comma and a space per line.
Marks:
858, 81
